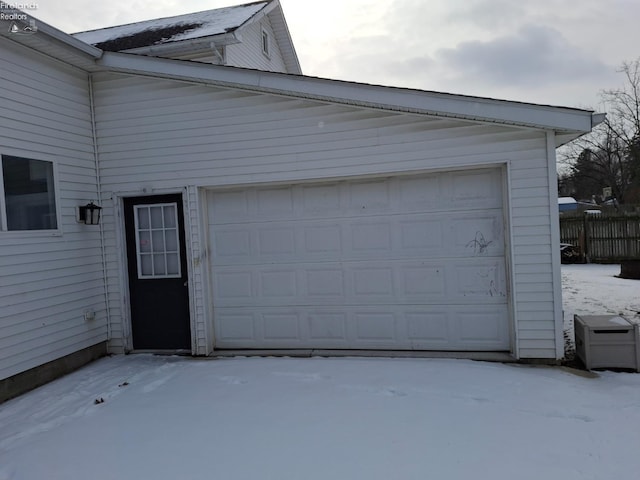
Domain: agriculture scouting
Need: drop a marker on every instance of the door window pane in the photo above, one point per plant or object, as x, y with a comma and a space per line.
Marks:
146, 267
156, 217
29, 196
157, 241
158, 265
170, 217
173, 263
171, 240
145, 241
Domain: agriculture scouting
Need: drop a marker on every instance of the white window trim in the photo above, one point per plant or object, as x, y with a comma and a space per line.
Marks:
54, 232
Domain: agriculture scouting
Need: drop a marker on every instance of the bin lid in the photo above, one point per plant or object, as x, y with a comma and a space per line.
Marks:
611, 322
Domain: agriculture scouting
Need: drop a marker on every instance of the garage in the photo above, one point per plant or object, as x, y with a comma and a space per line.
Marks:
410, 262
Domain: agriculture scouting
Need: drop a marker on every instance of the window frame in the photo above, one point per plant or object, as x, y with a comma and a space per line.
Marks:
265, 42
50, 232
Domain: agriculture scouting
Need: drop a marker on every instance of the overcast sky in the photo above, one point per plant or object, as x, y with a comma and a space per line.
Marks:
560, 52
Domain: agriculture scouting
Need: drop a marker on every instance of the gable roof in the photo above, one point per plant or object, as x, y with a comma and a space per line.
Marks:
161, 31
193, 31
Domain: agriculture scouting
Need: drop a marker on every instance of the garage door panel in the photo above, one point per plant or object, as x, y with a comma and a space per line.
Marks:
232, 245
482, 189
319, 199
372, 196
415, 262
279, 285
325, 283
399, 236
391, 327
229, 207
281, 326
419, 233
276, 240
458, 282
235, 328
481, 235
478, 281
370, 236
442, 192
275, 202
327, 326
479, 328
429, 327
423, 282
421, 194
375, 328
324, 239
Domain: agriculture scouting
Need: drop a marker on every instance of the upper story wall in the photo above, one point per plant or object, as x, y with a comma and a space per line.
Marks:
49, 278
249, 53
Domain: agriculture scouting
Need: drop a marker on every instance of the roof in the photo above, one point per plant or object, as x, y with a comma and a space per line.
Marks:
567, 123
566, 200
171, 29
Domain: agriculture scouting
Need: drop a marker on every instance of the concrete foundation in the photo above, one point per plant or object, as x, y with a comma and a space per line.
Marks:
23, 382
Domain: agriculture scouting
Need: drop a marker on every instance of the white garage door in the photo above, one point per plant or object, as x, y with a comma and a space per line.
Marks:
411, 262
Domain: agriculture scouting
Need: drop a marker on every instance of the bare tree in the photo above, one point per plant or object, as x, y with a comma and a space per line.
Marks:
610, 156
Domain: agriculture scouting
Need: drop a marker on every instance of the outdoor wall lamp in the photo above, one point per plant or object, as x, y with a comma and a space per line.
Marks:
89, 214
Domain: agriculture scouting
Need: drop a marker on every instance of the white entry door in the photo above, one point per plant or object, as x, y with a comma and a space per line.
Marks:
407, 262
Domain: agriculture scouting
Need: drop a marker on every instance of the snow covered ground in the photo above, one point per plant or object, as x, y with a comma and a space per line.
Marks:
151, 417
593, 289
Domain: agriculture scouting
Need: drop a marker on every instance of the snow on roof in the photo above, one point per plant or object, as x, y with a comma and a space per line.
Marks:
171, 29
566, 200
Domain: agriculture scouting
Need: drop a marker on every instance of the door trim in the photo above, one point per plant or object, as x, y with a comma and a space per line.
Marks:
121, 245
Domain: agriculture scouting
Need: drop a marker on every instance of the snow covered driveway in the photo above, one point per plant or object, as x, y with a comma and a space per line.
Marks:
320, 418
146, 417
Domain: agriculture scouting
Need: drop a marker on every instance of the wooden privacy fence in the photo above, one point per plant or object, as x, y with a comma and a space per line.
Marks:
603, 238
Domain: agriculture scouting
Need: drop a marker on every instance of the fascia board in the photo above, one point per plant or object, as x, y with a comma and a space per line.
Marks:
57, 37
561, 119
69, 40
284, 40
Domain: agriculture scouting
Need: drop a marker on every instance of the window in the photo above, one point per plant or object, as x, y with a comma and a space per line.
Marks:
157, 241
28, 194
265, 42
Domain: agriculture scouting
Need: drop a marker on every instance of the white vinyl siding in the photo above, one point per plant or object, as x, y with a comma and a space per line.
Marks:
162, 135
48, 279
249, 53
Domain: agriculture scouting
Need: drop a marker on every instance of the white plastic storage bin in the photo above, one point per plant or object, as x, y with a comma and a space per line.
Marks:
607, 341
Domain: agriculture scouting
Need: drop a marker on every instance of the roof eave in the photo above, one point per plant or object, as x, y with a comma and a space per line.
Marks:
565, 121
67, 39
